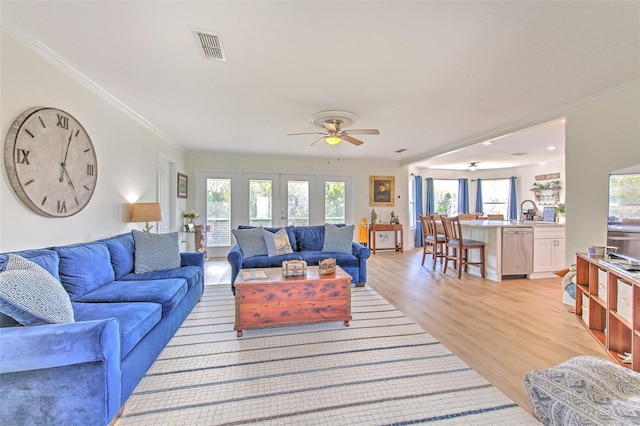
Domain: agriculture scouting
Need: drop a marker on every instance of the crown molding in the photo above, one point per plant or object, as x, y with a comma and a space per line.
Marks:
59, 62
535, 120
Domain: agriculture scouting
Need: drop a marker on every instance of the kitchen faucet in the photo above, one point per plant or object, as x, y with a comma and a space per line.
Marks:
524, 214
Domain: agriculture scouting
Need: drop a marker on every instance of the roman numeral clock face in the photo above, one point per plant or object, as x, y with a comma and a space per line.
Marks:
50, 162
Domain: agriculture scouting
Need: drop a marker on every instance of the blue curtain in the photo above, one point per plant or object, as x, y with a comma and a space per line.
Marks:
417, 236
512, 204
431, 197
479, 201
463, 195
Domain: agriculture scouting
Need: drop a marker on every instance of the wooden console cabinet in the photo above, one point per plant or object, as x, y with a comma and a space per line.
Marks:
608, 304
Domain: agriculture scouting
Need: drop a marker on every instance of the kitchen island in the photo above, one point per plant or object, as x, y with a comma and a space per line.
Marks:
491, 233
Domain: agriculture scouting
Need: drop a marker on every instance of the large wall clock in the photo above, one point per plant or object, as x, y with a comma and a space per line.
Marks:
50, 162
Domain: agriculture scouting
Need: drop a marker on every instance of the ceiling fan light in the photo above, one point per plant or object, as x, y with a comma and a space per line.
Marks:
473, 167
332, 140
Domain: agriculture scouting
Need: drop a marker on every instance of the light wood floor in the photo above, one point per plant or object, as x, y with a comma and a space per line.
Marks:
502, 330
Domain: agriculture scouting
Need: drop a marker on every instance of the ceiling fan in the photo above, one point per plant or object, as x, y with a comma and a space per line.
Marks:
334, 123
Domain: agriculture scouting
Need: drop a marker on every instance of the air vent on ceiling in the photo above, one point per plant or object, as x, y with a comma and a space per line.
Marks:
210, 45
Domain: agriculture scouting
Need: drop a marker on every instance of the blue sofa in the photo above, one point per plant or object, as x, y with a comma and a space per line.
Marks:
82, 372
307, 244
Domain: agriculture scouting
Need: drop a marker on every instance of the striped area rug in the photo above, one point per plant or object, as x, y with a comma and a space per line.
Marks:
382, 370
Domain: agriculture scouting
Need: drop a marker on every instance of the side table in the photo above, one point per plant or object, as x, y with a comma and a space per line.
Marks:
382, 227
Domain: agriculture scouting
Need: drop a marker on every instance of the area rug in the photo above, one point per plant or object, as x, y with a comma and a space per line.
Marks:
382, 370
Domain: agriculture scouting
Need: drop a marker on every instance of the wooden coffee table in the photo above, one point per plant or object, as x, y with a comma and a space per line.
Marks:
280, 301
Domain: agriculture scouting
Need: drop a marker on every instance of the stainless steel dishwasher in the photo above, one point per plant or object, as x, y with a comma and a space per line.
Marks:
517, 251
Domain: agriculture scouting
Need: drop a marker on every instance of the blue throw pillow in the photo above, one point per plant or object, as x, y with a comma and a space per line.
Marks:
31, 295
277, 243
251, 241
155, 252
338, 239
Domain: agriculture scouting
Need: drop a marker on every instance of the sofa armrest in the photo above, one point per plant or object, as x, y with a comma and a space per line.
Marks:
235, 259
60, 373
192, 259
362, 253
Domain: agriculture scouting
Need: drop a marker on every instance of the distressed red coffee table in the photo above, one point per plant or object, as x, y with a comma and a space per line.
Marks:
279, 301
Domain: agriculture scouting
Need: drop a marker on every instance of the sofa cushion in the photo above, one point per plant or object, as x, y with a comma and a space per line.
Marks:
168, 293
309, 237
337, 238
136, 319
342, 259
84, 267
31, 295
277, 243
290, 233
269, 262
192, 274
251, 241
46, 258
155, 252
121, 248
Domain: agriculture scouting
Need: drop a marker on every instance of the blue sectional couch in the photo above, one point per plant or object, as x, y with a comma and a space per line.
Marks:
307, 243
82, 372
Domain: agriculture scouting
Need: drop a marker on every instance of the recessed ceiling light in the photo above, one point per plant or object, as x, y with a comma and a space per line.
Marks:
551, 147
519, 153
487, 143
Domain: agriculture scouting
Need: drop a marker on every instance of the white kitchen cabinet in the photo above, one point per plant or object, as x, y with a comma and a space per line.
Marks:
548, 249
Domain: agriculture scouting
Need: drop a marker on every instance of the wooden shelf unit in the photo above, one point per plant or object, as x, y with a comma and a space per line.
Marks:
608, 304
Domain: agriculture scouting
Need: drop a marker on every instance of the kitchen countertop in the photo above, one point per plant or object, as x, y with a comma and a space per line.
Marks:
509, 224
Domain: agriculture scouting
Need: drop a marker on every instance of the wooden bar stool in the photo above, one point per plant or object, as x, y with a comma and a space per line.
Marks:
432, 239
457, 248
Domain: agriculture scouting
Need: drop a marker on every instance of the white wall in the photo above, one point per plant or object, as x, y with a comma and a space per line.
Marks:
601, 136
127, 153
359, 170
526, 179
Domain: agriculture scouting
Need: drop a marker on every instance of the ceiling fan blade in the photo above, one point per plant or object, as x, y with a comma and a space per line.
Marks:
330, 126
314, 133
319, 140
362, 132
349, 139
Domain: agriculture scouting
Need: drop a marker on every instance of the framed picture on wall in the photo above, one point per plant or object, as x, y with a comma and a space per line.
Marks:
183, 181
382, 191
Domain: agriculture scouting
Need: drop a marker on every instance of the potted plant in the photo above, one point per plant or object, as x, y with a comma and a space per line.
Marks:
560, 213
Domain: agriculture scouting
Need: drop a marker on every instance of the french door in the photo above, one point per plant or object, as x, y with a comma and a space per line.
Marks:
270, 200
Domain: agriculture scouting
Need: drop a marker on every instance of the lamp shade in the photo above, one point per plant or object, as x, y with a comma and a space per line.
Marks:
145, 212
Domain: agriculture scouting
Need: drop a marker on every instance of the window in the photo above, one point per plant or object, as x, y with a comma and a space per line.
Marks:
260, 199
624, 198
334, 202
495, 196
218, 212
412, 202
298, 203
446, 196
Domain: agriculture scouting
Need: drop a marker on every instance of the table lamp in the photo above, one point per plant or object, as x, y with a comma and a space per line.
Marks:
146, 212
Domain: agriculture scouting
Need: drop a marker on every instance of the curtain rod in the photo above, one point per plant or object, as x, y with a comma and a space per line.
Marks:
473, 180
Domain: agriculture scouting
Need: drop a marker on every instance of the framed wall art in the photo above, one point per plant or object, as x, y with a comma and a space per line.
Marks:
382, 191
183, 181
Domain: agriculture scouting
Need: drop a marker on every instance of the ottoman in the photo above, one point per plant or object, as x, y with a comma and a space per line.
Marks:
585, 390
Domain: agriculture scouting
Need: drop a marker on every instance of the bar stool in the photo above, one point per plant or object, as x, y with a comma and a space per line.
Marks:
432, 238
495, 217
457, 248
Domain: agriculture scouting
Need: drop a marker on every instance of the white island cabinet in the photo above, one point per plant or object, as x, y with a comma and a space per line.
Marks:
550, 252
